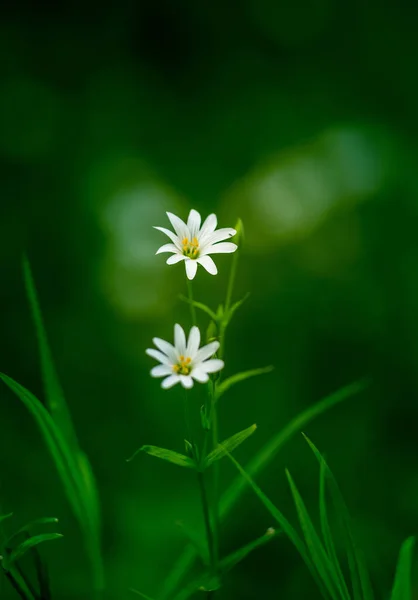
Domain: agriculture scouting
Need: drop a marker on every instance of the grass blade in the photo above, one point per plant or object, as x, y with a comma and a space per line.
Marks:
316, 549
140, 594
237, 556
256, 465
31, 525
228, 446
3, 517
402, 585
53, 391
31, 543
169, 455
362, 588
327, 535
234, 379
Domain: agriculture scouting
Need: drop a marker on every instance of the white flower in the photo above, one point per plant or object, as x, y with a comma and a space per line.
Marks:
193, 243
184, 362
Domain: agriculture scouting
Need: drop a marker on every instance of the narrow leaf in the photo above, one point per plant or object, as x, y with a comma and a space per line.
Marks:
327, 535
31, 543
164, 454
31, 525
140, 594
316, 549
53, 391
228, 445
402, 585
261, 460
236, 306
4, 517
281, 520
200, 306
362, 588
234, 379
236, 557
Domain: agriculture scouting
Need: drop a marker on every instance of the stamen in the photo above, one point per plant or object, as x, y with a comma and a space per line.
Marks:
190, 247
183, 367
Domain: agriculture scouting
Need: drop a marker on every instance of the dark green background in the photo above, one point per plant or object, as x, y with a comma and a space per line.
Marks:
300, 117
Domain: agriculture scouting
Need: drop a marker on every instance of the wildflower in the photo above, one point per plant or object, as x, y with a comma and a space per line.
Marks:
194, 243
184, 362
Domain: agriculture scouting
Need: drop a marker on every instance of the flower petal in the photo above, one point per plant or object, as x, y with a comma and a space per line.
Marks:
222, 248
186, 381
170, 381
158, 356
175, 258
220, 234
193, 342
173, 237
180, 226
208, 226
179, 339
200, 375
193, 222
208, 264
166, 348
205, 352
191, 268
167, 248
212, 365
161, 371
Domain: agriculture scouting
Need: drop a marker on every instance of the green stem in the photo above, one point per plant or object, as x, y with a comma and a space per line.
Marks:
192, 307
187, 416
215, 467
231, 282
208, 527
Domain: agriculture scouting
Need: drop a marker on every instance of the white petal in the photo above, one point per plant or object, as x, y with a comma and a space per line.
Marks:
175, 258
158, 356
186, 381
180, 226
167, 348
208, 226
193, 342
173, 237
222, 248
161, 371
212, 365
220, 235
193, 222
167, 248
200, 375
170, 381
191, 268
179, 339
205, 352
208, 264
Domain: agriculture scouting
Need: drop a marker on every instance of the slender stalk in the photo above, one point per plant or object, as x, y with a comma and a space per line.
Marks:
215, 483
231, 282
187, 417
192, 307
208, 527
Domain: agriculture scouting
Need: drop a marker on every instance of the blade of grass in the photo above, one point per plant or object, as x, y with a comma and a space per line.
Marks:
237, 556
31, 525
228, 383
316, 549
140, 594
402, 589
327, 535
256, 465
362, 588
228, 445
30, 543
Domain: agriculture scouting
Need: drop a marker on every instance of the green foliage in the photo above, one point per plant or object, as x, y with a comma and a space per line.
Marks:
169, 455
228, 446
402, 589
225, 385
29, 544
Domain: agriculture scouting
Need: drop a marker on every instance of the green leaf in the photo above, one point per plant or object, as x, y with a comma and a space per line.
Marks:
319, 557
200, 306
228, 446
53, 391
30, 543
164, 454
236, 306
281, 520
228, 383
140, 594
236, 557
32, 525
327, 535
362, 589
261, 460
402, 585
3, 517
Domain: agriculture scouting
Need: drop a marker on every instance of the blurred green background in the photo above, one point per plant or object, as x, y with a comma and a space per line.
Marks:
301, 118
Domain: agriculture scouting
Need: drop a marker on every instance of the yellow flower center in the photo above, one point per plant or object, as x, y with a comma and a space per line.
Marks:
183, 367
190, 247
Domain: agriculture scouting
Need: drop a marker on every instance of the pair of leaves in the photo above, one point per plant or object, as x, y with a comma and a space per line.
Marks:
220, 318
182, 460
59, 434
